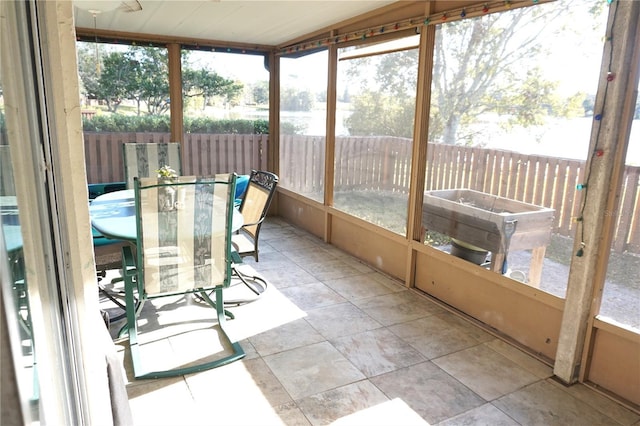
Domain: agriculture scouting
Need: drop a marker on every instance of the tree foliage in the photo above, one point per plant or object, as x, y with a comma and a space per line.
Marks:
481, 65
161, 123
488, 64
260, 92
118, 79
385, 102
296, 100
207, 84
89, 68
141, 74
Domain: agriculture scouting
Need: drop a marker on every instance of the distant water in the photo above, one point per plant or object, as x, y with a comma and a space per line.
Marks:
557, 138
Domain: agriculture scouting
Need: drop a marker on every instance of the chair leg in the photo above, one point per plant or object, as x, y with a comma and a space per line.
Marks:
248, 280
219, 307
245, 279
222, 314
114, 298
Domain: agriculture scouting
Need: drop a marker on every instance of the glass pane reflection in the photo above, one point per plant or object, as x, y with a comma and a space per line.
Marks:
510, 125
18, 303
621, 296
303, 115
376, 87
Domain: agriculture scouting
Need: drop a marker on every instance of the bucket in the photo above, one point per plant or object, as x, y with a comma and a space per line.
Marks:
468, 252
517, 275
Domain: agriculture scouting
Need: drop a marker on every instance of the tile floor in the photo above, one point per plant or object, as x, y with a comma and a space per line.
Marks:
334, 342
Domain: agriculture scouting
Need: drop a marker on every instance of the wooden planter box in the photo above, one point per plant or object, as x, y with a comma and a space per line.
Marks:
493, 223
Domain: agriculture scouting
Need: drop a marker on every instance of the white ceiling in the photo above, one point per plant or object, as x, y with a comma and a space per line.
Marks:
262, 22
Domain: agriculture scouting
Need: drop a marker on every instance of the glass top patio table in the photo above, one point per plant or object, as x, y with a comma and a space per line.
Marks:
10, 223
12, 237
114, 215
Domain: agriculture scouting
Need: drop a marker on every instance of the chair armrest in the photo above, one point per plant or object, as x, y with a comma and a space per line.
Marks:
254, 223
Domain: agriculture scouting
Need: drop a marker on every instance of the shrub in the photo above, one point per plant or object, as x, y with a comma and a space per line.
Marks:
161, 123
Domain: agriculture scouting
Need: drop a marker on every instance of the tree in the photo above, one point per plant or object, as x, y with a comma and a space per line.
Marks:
296, 100
206, 84
385, 102
118, 79
260, 92
153, 79
377, 113
474, 70
141, 74
88, 69
484, 64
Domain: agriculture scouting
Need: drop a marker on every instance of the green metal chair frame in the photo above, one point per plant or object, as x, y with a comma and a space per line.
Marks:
173, 259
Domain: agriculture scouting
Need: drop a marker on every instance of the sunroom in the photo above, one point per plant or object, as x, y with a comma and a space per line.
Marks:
484, 156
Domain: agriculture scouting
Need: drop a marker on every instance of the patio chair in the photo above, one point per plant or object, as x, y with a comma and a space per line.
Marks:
254, 207
241, 187
183, 247
143, 159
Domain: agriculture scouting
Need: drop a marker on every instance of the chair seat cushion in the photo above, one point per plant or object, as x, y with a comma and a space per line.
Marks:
242, 244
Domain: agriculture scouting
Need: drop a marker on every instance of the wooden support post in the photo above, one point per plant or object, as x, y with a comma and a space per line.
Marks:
616, 96
272, 63
175, 94
330, 139
415, 230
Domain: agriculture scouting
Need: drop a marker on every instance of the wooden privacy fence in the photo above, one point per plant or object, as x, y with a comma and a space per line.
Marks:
380, 164
202, 154
383, 164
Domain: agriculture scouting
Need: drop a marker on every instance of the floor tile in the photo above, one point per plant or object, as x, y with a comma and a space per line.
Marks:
311, 296
149, 398
268, 260
290, 275
601, 403
312, 369
529, 363
486, 414
291, 244
270, 311
241, 393
393, 412
270, 233
197, 347
249, 350
288, 336
485, 371
466, 326
394, 308
340, 320
361, 286
377, 351
313, 254
356, 264
429, 391
327, 407
545, 404
433, 337
330, 270
291, 415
